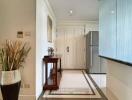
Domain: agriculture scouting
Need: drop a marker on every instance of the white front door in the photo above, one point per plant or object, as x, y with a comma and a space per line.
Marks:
71, 45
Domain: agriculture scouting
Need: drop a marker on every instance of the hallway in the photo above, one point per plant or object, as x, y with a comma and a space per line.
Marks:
68, 28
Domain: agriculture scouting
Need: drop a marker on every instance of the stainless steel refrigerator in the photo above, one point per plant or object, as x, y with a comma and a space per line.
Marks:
93, 61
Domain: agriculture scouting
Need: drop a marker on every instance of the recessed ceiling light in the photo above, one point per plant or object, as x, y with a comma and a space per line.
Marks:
70, 12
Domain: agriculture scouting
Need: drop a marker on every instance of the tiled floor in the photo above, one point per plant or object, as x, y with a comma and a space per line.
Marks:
74, 84
100, 80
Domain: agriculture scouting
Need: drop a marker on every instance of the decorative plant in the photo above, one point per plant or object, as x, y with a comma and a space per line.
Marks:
13, 54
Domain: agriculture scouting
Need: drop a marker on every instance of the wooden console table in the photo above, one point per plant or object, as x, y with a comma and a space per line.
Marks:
52, 82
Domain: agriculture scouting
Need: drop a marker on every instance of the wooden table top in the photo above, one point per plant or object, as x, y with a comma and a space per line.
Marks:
55, 57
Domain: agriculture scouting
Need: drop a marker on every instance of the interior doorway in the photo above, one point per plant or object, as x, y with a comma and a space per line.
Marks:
71, 45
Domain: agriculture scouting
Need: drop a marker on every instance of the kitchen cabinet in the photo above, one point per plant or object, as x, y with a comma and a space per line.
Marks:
107, 28
115, 40
124, 30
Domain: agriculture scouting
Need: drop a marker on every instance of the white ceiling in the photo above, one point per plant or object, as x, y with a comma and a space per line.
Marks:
82, 9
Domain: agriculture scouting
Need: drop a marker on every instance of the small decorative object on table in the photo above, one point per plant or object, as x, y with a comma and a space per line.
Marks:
50, 51
12, 57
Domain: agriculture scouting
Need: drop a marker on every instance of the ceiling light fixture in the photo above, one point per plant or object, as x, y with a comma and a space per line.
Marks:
70, 12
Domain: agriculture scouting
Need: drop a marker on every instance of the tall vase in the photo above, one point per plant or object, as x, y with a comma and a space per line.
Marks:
10, 84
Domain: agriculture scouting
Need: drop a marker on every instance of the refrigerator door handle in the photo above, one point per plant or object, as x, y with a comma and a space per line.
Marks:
91, 57
91, 42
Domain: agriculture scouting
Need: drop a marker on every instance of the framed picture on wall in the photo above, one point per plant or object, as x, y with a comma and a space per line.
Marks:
49, 29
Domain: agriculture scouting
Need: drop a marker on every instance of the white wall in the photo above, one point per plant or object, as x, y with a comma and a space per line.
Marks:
19, 15
42, 11
92, 26
41, 43
89, 25
23, 15
119, 80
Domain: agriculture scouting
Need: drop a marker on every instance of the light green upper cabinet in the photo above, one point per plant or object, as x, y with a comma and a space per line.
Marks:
124, 30
115, 25
107, 28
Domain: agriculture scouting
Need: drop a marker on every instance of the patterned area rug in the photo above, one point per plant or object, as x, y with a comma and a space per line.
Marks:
74, 84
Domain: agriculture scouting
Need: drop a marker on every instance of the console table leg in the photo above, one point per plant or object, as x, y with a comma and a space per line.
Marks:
56, 72
46, 73
60, 65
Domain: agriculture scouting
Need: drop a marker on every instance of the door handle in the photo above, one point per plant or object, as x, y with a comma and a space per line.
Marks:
67, 48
